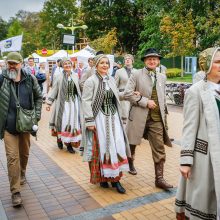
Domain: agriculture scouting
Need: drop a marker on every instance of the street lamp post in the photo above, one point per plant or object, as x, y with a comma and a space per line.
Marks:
73, 27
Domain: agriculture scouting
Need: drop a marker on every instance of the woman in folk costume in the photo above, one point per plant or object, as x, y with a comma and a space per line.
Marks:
100, 102
198, 194
121, 78
67, 118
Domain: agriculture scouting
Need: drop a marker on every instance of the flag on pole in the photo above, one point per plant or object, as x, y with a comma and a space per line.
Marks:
11, 44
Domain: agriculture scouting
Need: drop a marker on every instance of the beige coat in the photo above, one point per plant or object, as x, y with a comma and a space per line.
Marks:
86, 74
121, 79
200, 195
142, 82
88, 97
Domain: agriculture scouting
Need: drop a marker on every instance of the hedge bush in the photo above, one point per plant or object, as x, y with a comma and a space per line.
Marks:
173, 72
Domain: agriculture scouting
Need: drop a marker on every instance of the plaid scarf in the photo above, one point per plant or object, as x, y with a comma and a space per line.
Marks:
153, 75
128, 70
95, 172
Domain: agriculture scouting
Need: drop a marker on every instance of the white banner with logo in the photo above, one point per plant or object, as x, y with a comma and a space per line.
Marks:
11, 44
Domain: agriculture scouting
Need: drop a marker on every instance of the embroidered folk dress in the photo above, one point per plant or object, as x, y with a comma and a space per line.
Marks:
110, 136
199, 196
108, 150
70, 129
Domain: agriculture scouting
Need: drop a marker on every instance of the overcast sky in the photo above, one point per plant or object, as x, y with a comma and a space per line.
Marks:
8, 8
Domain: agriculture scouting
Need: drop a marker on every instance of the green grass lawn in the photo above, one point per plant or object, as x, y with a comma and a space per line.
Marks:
185, 78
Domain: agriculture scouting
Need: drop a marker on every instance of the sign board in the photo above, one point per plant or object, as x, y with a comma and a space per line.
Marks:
44, 51
36, 60
68, 39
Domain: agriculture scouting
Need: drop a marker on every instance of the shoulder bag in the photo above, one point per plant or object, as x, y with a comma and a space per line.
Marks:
25, 119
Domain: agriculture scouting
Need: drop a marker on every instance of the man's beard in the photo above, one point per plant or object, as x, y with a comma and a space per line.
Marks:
12, 73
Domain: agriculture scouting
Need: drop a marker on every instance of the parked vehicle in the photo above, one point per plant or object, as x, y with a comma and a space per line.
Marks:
176, 92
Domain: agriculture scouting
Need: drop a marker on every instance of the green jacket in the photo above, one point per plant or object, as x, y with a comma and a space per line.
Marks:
5, 96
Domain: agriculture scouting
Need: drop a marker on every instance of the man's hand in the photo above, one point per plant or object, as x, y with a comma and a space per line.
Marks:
91, 128
137, 93
151, 104
48, 108
185, 171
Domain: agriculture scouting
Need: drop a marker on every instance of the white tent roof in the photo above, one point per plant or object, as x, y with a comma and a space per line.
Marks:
41, 59
85, 52
57, 55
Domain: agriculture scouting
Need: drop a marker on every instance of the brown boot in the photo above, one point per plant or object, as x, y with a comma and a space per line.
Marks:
160, 182
132, 169
16, 199
181, 216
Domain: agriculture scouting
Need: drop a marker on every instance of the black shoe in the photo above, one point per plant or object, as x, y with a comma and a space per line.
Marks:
60, 145
70, 149
120, 188
113, 184
104, 184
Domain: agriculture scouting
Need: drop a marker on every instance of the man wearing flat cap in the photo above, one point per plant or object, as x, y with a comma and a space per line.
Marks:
17, 144
147, 113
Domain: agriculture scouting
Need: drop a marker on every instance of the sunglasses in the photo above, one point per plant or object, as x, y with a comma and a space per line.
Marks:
12, 63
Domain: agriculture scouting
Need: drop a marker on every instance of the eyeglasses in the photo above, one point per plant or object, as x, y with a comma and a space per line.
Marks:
67, 64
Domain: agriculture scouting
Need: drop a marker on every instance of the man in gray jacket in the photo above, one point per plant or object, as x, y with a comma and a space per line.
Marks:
17, 144
121, 78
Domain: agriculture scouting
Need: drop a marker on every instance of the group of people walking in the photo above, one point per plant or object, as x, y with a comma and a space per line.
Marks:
105, 118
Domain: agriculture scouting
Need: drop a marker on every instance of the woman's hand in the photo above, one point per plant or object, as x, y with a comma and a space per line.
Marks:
185, 171
48, 108
91, 128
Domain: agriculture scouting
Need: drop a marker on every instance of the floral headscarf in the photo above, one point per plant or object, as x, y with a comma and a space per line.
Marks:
206, 58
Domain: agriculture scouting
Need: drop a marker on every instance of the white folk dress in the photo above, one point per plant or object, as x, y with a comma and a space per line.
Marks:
70, 130
110, 136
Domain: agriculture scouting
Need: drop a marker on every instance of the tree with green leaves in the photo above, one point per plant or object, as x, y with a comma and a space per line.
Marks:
150, 35
181, 33
3, 28
54, 12
106, 43
30, 22
103, 15
15, 29
207, 28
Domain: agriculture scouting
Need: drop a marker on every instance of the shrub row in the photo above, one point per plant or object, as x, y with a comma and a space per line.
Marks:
173, 72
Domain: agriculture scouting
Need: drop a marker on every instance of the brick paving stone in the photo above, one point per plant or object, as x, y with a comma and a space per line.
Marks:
57, 178
44, 196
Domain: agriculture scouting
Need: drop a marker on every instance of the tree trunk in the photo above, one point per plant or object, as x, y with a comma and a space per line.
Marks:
182, 70
174, 64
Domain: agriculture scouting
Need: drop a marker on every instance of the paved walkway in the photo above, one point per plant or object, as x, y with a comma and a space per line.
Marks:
58, 183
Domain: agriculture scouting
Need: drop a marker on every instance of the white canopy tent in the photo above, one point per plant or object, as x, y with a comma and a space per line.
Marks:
41, 59
87, 52
83, 55
58, 55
